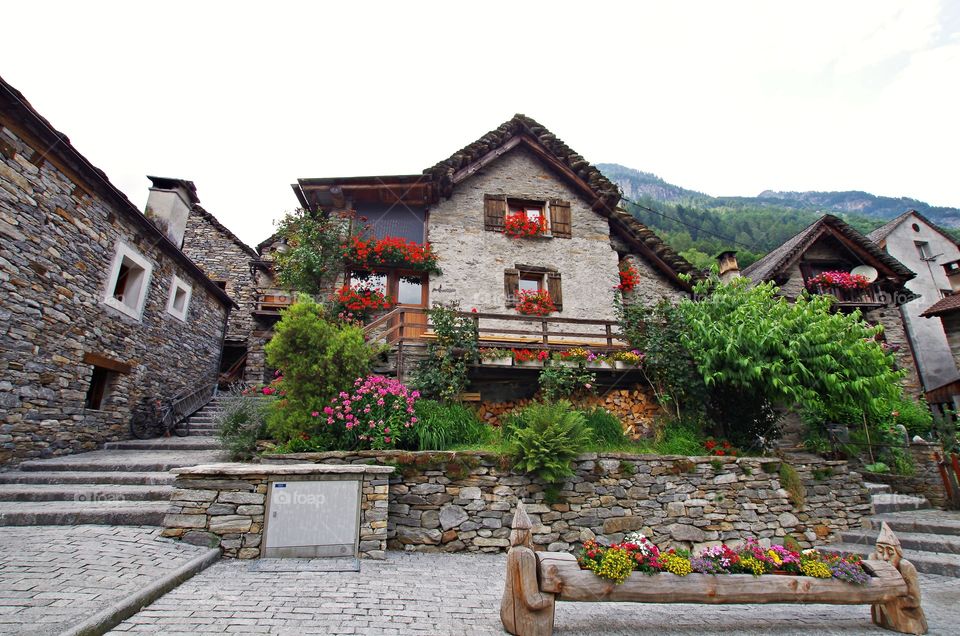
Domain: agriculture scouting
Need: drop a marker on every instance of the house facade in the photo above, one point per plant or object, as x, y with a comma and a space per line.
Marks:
933, 255
100, 313
830, 245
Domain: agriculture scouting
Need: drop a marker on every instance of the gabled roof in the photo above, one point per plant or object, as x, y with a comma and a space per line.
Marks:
880, 234
793, 248
223, 228
21, 117
945, 305
523, 129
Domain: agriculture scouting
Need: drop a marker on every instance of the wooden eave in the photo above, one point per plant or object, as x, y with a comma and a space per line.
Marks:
861, 253
339, 193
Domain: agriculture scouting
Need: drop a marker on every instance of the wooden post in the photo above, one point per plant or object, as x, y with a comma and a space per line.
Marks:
903, 614
544, 328
524, 610
609, 336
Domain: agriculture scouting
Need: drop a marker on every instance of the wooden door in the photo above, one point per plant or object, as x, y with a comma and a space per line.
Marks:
411, 291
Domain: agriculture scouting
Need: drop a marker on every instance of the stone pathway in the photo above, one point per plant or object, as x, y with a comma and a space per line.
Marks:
460, 594
52, 578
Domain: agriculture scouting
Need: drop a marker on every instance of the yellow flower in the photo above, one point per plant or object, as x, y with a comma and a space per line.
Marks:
676, 564
755, 565
815, 569
775, 557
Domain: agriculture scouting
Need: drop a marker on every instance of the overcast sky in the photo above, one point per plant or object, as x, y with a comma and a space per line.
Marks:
729, 98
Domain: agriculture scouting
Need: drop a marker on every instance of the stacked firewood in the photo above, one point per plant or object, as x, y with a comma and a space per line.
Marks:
635, 408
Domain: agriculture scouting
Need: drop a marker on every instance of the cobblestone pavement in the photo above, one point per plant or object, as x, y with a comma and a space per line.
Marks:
53, 577
460, 594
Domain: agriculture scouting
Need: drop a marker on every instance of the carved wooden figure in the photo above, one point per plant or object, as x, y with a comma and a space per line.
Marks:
904, 613
524, 610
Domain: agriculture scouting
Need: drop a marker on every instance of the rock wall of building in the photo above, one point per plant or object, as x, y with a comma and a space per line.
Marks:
57, 247
473, 259
652, 286
464, 501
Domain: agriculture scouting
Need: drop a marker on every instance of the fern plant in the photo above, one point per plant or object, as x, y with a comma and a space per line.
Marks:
543, 439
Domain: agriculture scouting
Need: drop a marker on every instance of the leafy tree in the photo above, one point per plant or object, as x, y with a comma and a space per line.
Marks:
318, 359
754, 349
314, 256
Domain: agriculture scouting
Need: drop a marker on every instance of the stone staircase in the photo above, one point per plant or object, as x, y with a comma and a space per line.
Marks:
203, 422
930, 538
126, 483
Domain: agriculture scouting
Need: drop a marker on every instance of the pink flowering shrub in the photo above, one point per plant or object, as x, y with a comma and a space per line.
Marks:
377, 415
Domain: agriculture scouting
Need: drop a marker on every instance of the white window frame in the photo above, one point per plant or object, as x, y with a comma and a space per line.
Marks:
124, 250
179, 284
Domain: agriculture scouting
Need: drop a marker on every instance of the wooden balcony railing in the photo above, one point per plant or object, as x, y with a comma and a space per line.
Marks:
543, 332
271, 302
872, 296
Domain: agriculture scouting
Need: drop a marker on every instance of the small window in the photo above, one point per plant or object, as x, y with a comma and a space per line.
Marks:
369, 280
128, 282
222, 284
179, 302
410, 290
533, 279
916, 228
946, 292
531, 282
923, 249
533, 210
97, 391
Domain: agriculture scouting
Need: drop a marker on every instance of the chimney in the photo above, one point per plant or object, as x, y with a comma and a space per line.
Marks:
169, 204
729, 269
952, 270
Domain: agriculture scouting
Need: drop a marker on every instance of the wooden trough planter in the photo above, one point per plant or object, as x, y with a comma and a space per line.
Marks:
535, 581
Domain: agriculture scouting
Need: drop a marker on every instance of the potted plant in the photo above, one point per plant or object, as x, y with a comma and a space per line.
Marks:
530, 358
624, 360
595, 361
496, 357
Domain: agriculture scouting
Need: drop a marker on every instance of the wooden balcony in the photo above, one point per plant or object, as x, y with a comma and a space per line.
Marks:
872, 296
271, 302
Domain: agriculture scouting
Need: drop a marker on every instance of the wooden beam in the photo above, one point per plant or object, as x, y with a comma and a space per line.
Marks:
100, 360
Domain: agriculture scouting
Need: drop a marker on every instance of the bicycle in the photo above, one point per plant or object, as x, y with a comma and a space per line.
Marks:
155, 420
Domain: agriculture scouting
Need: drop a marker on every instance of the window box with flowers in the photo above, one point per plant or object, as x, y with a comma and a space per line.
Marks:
523, 225
595, 361
357, 303
535, 303
530, 358
372, 253
571, 357
625, 360
844, 286
496, 357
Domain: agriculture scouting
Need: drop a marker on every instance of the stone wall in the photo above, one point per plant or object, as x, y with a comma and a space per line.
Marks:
456, 502
58, 238
225, 504
926, 480
652, 286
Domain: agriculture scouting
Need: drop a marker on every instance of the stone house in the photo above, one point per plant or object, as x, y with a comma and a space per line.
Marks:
830, 245
100, 313
935, 256
461, 205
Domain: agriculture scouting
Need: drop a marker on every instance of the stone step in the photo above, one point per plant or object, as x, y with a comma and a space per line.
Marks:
86, 477
892, 502
925, 562
920, 541
68, 513
877, 489
167, 443
125, 460
926, 521
91, 493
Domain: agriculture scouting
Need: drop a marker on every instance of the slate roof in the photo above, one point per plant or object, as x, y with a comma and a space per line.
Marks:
223, 228
442, 173
945, 305
779, 259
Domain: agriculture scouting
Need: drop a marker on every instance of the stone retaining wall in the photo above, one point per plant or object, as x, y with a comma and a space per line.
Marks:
224, 504
456, 502
926, 481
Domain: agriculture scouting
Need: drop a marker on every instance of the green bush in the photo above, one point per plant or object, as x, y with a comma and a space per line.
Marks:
543, 439
318, 359
241, 423
443, 373
559, 382
605, 428
441, 426
679, 437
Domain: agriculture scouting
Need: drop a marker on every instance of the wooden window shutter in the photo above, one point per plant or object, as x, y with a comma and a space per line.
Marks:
511, 286
494, 212
553, 286
560, 220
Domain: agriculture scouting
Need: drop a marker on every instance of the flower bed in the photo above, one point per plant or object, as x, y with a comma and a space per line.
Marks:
619, 560
390, 252
378, 413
